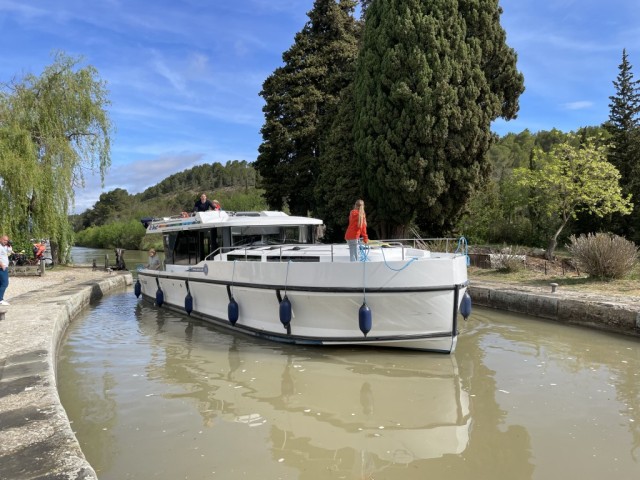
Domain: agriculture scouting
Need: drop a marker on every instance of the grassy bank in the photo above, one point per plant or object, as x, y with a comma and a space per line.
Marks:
540, 273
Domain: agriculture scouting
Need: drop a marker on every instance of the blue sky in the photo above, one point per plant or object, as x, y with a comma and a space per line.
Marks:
184, 75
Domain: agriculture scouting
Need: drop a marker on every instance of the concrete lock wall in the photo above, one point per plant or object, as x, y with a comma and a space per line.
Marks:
567, 307
36, 439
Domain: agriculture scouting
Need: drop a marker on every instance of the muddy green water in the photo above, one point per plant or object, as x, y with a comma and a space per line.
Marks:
153, 396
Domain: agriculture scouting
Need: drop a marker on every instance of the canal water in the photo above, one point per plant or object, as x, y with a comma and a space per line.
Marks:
102, 256
152, 395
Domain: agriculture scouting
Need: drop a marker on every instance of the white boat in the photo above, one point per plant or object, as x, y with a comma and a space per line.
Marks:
265, 274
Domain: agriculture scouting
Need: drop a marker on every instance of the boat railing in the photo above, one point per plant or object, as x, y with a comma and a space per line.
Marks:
445, 245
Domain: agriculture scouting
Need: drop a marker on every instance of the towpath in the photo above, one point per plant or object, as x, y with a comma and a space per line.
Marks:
36, 440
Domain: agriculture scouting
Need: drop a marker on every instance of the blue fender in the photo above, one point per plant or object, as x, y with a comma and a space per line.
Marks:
364, 319
285, 311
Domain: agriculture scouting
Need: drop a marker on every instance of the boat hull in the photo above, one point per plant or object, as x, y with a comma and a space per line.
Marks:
411, 306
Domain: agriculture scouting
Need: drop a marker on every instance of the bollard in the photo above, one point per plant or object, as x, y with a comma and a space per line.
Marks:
554, 286
106, 261
3, 310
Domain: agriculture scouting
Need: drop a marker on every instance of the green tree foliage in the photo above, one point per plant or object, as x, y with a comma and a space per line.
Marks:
624, 127
206, 178
53, 128
569, 180
338, 185
300, 97
233, 184
430, 79
516, 218
110, 207
109, 220
128, 235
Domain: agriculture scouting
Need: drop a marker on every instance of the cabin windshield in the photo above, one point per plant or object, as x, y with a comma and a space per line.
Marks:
271, 235
190, 247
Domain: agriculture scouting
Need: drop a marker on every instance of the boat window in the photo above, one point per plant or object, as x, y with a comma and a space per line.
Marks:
185, 251
293, 259
190, 247
244, 258
270, 235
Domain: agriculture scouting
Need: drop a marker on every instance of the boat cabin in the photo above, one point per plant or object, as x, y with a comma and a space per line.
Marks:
187, 241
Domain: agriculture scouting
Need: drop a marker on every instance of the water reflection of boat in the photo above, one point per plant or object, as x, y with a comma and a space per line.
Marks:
263, 274
362, 407
399, 415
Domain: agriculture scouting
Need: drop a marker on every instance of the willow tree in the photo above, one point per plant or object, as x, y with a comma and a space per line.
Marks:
53, 129
430, 79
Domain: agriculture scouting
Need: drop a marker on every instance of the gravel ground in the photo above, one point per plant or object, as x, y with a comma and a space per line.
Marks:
59, 275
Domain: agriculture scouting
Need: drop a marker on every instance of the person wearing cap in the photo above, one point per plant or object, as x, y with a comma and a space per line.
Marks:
154, 261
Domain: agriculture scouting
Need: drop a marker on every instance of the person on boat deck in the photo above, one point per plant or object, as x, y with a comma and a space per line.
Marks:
203, 204
154, 261
216, 205
357, 228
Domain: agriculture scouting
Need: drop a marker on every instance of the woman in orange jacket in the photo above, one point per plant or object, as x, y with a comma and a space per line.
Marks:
357, 228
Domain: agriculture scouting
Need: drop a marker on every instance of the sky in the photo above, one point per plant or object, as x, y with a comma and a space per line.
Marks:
184, 76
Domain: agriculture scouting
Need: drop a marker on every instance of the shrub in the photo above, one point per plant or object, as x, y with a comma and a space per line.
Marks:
509, 259
603, 255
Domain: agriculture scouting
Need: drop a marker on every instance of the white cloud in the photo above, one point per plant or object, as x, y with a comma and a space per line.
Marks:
579, 105
134, 177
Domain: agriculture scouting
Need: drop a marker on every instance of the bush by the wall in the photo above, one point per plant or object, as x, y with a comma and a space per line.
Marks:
603, 255
509, 259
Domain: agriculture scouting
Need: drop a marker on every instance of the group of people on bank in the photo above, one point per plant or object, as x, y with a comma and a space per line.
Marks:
8, 257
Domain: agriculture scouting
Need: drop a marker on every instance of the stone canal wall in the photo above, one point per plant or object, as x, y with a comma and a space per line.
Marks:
36, 439
616, 314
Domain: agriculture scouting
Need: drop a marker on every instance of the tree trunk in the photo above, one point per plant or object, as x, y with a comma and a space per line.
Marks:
553, 241
551, 247
389, 231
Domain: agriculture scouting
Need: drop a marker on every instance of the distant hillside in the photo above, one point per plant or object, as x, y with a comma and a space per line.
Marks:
234, 185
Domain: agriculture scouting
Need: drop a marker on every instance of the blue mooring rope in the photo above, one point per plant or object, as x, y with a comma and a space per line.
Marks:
364, 252
396, 269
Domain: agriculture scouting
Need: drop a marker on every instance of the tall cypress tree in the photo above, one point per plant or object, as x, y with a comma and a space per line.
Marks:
300, 98
624, 127
430, 79
338, 184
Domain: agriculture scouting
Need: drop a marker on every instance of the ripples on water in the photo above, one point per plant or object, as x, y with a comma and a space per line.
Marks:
154, 396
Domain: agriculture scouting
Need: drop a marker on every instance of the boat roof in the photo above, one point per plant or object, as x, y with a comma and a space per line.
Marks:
221, 218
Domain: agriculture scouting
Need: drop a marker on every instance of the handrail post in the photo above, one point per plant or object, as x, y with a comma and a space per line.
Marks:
332, 253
